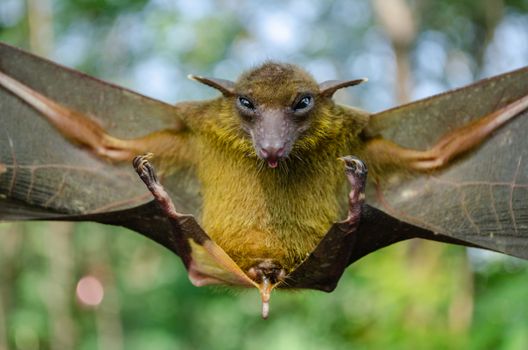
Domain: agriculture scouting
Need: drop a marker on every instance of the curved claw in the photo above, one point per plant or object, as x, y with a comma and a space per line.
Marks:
356, 172
354, 166
144, 169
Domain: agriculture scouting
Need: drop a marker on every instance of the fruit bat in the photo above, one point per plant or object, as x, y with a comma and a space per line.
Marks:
249, 187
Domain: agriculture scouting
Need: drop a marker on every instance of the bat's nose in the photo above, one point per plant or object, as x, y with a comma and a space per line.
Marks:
272, 154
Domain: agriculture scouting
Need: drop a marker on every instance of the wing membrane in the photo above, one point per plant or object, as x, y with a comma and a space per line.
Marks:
482, 197
44, 173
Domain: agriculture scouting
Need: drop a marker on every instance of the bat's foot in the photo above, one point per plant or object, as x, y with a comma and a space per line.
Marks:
147, 173
145, 170
356, 173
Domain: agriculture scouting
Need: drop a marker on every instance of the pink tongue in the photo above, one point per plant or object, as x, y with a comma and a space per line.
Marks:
273, 163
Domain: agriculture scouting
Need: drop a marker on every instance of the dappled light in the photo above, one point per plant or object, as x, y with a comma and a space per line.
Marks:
90, 291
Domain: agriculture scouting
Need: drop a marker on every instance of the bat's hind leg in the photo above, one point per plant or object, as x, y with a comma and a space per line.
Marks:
325, 265
356, 173
205, 261
449, 146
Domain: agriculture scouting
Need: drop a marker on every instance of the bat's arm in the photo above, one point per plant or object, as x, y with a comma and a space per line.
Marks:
83, 131
381, 152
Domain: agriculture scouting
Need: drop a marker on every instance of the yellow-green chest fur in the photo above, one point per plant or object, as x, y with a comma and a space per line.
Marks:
254, 212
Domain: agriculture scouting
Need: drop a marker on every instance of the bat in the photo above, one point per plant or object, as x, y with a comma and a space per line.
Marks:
267, 169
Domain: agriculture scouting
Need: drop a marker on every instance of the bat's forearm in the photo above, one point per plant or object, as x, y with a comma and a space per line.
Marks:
75, 127
385, 154
82, 130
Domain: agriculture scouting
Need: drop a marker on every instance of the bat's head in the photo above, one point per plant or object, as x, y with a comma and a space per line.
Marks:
276, 104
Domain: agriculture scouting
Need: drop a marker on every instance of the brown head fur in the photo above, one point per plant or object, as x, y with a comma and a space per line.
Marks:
252, 211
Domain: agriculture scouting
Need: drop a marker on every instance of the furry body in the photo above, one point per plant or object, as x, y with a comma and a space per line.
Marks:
258, 213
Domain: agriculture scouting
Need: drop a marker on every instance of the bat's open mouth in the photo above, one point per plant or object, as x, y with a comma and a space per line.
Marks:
273, 163
272, 155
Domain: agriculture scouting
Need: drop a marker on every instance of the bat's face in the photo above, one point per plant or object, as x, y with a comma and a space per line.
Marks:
276, 104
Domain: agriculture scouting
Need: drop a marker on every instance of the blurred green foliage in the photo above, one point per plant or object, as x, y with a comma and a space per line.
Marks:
424, 296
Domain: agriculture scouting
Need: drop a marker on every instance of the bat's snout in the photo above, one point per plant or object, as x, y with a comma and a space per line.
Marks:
272, 154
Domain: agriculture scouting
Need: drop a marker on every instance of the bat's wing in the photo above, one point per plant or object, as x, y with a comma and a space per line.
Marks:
43, 175
205, 261
482, 198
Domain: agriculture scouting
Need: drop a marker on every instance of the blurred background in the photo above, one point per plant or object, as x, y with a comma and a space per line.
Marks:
88, 286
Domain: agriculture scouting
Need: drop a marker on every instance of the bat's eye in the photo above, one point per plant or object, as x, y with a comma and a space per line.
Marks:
303, 104
246, 103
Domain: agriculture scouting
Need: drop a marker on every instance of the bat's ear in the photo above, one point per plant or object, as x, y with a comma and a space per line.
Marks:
226, 87
329, 87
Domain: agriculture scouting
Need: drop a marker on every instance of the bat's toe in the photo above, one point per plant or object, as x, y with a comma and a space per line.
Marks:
354, 166
144, 169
